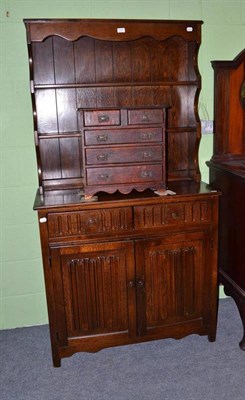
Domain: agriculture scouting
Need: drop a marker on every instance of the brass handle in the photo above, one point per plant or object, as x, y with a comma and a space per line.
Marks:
145, 118
103, 118
146, 135
146, 174
102, 157
140, 283
174, 215
103, 177
91, 221
102, 138
147, 154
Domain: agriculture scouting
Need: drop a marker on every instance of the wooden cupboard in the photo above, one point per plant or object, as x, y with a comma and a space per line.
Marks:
227, 173
132, 258
127, 270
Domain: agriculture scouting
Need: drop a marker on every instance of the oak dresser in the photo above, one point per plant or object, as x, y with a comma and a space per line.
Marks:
128, 231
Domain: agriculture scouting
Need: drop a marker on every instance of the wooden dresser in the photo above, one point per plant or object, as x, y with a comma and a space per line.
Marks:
128, 231
227, 173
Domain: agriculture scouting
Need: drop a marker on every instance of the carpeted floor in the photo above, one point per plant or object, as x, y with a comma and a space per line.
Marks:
187, 369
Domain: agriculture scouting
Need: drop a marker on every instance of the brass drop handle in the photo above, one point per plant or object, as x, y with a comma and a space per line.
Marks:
146, 135
146, 174
145, 118
139, 283
102, 138
102, 157
103, 177
91, 221
174, 215
103, 118
147, 154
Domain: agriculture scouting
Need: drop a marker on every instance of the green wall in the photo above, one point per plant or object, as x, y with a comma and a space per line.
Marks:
22, 297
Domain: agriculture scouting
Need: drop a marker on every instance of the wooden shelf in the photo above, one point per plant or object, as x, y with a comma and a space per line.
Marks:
57, 135
110, 84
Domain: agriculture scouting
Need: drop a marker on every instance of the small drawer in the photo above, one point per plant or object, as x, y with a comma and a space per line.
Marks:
89, 222
102, 117
115, 155
156, 216
145, 116
122, 136
124, 175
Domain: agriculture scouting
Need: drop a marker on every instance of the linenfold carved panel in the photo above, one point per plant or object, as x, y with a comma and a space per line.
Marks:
169, 272
95, 294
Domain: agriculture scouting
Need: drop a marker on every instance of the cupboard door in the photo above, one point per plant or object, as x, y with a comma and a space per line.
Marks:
93, 290
170, 276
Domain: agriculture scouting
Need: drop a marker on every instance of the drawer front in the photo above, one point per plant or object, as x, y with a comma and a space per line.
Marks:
172, 214
89, 222
115, 155
145, 116
101, 117
124, 175
123, 136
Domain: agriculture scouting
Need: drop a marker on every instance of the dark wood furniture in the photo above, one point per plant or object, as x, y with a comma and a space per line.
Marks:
123, 149
227, 173
121, 268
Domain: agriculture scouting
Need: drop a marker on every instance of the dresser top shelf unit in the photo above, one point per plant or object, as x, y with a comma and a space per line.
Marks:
78, 64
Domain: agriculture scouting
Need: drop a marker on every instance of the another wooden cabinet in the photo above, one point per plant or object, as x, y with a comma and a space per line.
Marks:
227, 173
115, 121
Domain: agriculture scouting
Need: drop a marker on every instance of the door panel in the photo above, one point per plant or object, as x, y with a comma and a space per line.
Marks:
97, 296
170, 271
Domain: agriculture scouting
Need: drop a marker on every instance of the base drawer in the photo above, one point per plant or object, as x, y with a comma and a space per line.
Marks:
155, 216
88, 223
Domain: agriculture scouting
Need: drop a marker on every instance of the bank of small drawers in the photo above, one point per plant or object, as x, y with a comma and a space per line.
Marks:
128, 219
123, 149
